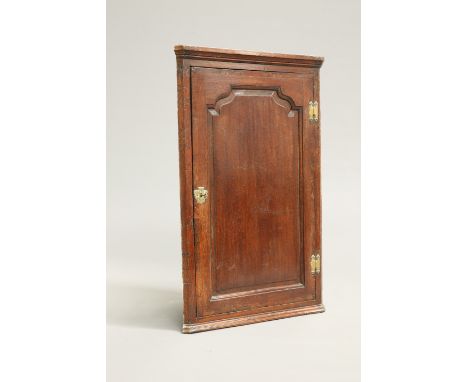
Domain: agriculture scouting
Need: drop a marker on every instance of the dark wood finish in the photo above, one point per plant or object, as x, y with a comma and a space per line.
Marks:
246, 137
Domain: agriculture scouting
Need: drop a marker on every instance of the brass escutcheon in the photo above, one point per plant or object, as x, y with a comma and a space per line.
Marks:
200, 195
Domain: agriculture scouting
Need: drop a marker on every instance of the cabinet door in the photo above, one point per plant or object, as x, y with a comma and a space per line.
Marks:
256, 153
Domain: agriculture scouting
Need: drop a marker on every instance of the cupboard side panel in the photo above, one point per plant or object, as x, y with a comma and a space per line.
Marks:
186, 200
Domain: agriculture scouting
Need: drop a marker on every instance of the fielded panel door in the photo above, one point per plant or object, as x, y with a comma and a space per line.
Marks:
254, 230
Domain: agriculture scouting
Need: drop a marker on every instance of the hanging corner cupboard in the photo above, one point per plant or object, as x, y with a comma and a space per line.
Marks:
249, 145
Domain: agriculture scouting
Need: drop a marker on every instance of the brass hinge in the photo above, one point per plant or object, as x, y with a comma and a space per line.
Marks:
315, 264
313, 111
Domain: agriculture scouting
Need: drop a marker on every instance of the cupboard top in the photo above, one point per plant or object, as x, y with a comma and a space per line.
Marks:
213, 54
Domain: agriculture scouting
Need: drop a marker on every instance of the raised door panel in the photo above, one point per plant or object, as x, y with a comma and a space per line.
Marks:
253, 150
256, 195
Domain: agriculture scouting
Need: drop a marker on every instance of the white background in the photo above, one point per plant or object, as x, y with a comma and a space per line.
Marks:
144, 298
52, 196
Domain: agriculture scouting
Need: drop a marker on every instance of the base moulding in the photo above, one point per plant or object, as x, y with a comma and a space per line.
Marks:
252, 319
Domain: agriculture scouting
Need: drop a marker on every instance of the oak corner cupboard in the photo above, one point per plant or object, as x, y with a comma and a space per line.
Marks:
249, 146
